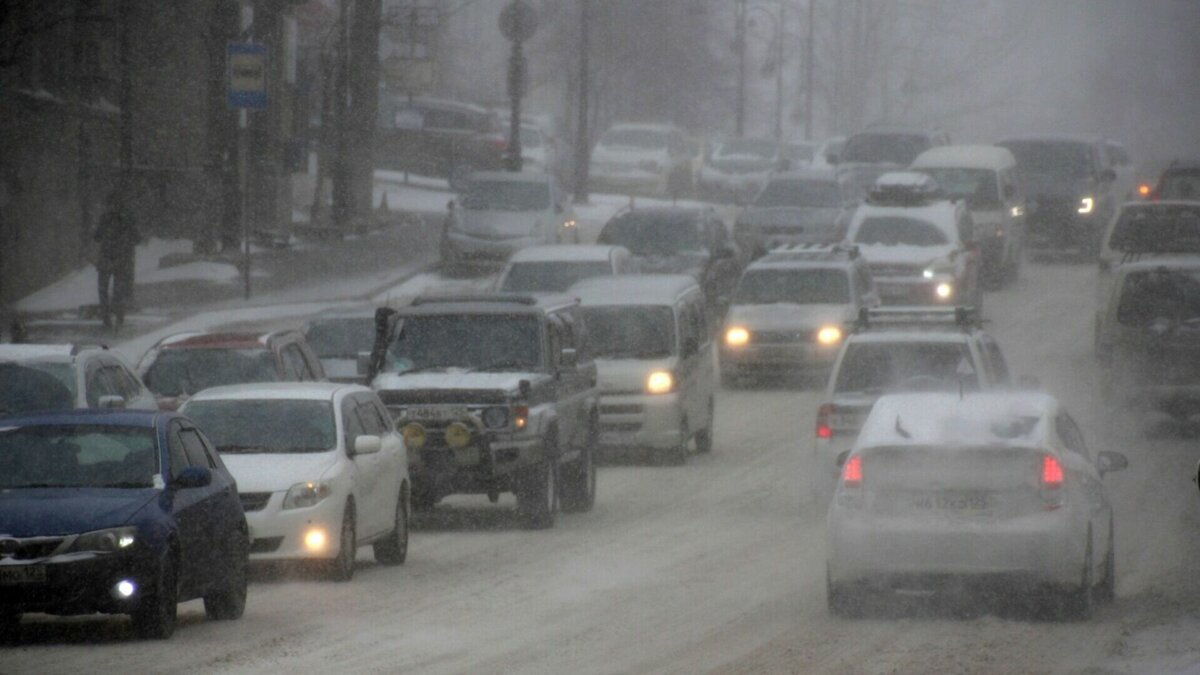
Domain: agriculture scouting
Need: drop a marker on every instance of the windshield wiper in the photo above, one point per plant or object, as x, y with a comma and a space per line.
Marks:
499, 365
125, 485
422, 369
248, 449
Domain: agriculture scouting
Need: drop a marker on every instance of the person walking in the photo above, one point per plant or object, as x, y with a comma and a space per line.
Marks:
117, 235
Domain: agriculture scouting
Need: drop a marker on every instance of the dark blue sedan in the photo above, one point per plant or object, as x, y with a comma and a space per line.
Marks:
120, 512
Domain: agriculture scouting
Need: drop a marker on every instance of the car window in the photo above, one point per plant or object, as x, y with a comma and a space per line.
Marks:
175, 448
100, 383
1069, 435
897, 230
879, 367
293, 363
803, 286
373, 419
194, 448
630, 331
435, 118
352, 425
863, 280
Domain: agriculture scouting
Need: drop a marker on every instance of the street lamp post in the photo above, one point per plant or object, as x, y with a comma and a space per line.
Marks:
776, 59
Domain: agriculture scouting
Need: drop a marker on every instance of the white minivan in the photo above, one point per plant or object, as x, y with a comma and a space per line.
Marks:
650, 340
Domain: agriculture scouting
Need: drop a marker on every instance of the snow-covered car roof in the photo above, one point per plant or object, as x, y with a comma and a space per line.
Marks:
200, 340
307, 391
566, 253
910, 180
948, 418
630, 126
633, 289
912, 333
941, 213
805, 173
965, 157
42, 352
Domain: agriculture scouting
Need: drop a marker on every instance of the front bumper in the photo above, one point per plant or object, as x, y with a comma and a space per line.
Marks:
468, 249
487, 465
276, 534
917, 291
80, 583
641, 420
764, 359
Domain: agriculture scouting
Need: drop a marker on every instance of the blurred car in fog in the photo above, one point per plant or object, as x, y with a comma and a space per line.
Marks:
181, 365
553, 268
829, 152
440, 138
678, 240
499, 213
653, 350
994, 493
738, 169
117, 512
921, 246
1070, 192
539, 151
794, 207
1178, 181
797, 154
790, 311
1125, 183
337, 337
899, 349
653, 159
320, 468
880, 149
985, 177
46, 377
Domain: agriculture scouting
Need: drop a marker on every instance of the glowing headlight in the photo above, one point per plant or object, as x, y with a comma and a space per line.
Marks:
829, 335
944, 290
414, 435
315, 540
737, 336
569, 224
660, 382
105, 541
495, 417
1017, 211
304, 495
458, 435
1144, 190
1086, 205
928, 274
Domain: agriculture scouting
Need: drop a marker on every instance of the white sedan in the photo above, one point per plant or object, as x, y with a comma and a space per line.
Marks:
988, 492
319, 466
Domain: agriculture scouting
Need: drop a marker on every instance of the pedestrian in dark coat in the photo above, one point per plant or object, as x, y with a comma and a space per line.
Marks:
118, 236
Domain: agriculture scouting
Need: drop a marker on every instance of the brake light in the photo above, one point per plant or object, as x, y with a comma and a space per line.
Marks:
852, 471
520, 416
823, 428
1052, 472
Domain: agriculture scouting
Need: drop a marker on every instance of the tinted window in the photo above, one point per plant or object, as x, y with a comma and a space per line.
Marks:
977, 186
266, 426
100, 383
194, 448
794, 286
469, 341
187, 371
653, 235
544, 277
77, 456
506, 195
761, 149
826, 194
896, 230
35, 386
341, 338
293, 363
1157, 228
353, 426
179, 458
880, 367
1167, 297
371, 419
1059, 158
899, 149
642, 332
1180, 185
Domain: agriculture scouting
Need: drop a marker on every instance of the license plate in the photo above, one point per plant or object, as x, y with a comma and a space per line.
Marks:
844, 421
22, 574
965, 503
436, 413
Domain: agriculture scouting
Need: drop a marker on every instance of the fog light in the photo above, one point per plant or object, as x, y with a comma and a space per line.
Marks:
458, 435
829, 335
315, 540
414, 435
737, 336
944, 290
125, 588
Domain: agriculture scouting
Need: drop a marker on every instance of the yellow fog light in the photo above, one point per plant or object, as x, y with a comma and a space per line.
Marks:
660, 382
944, 290
315, 540
829, 335
458, 435
414, 435
737, 336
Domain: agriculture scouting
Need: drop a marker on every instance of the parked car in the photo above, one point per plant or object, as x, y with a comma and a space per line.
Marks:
795, 207
443, 139
1069, 192
991, 492
183, 364
798, 154
118, 512
553, 268
492, 394
337, 337
649, 336
499, 213
829, 152
877, 150
921, 246
790, 311
650, 159
47, 377
321, 470
738, 169
539, 151
985, 177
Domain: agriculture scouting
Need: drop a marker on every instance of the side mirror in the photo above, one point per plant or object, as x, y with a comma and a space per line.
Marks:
1107, 462
1029, 382
111, 402
367, 444
569, 358
363, 363
193, 477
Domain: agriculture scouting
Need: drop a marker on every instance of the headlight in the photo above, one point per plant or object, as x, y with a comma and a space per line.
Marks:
105, 541
928, 273
1017, 211
829, 335
1086, 205
458, 435
944, 291
660, 382
414, 435
495, 417
737, 336
569, 224
304, 495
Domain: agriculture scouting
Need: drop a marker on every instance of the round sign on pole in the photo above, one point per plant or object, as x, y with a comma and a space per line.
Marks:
518, 21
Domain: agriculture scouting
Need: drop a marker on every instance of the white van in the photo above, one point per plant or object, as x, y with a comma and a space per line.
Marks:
985, 176
650, 340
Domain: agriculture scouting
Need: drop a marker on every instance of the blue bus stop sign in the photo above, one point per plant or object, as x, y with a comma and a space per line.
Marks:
247, 75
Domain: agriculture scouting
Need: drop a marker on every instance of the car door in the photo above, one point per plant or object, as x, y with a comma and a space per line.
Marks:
391, 460
194, 510
1079, 462
367, 471
572, 388
704, 380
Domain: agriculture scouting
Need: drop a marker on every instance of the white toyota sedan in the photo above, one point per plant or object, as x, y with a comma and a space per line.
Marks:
987, 493
319, 466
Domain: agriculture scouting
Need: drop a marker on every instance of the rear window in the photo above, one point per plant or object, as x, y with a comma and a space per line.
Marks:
341, 338
176, 372
825, 194
551, 277
25, 387
978, 186
798, 286
653, 235
1059, 158
877, 367
630, 332
1180, 185
900, 149
1168, 297
897, 230
1157, 229
506, 195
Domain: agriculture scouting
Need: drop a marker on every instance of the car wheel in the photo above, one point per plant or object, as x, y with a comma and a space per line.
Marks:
1075, 604
154, 618
229, 602
537, 497
393, 549
1107, 590
844, 600
704, 437
678, 455
579, 479
341, 568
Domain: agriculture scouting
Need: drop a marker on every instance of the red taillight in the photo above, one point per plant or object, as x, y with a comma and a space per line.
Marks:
1052, 472
823, 428
852, 471
498, 142
520, 416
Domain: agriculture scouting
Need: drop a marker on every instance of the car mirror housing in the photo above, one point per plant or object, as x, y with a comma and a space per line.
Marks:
367, 444
193, 477
1107, 462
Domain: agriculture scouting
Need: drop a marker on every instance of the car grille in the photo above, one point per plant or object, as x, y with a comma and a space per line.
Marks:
621, 426
29, 549
265, 544
254, 501
1048, 215
886, 270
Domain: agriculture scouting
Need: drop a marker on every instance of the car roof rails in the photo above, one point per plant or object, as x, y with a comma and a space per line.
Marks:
965, 317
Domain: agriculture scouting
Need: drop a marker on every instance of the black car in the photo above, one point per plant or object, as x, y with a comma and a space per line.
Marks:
796, 207
1180, 180
879, 149
444, 139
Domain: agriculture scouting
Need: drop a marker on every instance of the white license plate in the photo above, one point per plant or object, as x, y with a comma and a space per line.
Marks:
965, 503
22, 574
844, 421
436, 414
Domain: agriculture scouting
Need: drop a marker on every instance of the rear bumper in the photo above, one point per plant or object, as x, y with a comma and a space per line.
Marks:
641, 421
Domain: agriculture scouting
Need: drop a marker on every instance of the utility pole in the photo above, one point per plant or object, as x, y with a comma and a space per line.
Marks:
808, 72
582, 144
125, 94
739, 46
779, 26
517, 23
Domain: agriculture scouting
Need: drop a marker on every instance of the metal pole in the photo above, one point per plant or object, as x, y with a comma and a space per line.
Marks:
582, 143
808, 73
779, 74
739, 45
243, 163
516, 82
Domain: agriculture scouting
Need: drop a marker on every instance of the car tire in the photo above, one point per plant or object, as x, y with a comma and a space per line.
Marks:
537, 496
228, 603
423, 500
341, 568
678, 454
393, 549
1075, 604
578, 494
704, 437
845, 601
155, 616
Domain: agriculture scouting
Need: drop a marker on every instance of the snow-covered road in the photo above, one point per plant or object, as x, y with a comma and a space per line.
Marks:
716, 565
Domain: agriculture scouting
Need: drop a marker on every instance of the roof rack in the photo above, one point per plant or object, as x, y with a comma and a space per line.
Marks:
962, 316
508, 298
813, 251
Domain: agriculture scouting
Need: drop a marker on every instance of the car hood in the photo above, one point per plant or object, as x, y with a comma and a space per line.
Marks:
623, 155
51, 511
904, 254
788, 317
453, 378
682, 263
798, 216
277, 471
628, 375
501, 224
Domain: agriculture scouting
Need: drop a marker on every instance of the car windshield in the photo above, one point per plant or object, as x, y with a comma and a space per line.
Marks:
551, 277
1180, 185
653, 235
642, 139
793, 286
977, 186
630, 331
1157, 228
470, 341
36, 385
897, 230
341, 338
178, 372
746, 147
1162, 296
876, 367
1064, 159
93, 456
266, 425
506, 195
801, 193
899, 149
